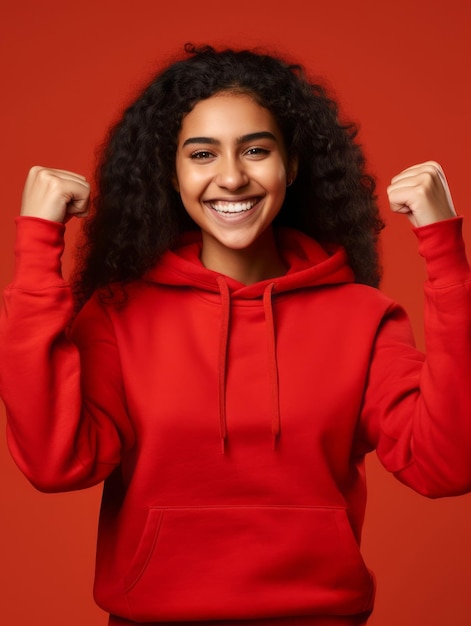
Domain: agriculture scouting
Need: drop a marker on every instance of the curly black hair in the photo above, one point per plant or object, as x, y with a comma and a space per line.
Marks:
138, 214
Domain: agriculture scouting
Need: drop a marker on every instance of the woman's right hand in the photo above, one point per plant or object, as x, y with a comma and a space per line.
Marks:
55, 195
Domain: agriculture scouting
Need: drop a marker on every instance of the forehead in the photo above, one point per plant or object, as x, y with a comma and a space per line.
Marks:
228, 116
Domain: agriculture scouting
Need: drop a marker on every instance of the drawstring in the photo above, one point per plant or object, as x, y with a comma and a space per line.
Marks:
272, 362
223, 339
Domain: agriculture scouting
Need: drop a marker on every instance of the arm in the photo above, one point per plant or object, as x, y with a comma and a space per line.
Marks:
61, 435
417, 409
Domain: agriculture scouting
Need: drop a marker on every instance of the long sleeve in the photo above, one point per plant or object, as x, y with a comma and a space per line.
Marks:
417, 409
65, 431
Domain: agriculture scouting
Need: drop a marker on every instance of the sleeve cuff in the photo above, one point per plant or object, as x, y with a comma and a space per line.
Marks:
38, 250
442, 246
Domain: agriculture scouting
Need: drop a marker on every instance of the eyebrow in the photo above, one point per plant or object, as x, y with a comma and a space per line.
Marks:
265, 134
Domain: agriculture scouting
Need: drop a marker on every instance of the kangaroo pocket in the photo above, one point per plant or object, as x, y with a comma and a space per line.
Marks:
246, 563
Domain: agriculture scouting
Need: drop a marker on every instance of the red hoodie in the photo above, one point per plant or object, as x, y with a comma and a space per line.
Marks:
230, 422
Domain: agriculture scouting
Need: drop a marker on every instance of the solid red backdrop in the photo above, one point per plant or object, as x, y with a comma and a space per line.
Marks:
401, 70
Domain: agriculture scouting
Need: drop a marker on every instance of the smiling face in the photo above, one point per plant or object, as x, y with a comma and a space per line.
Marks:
231, 171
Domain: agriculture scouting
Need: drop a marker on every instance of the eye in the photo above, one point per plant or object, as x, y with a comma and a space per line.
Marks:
257, 152
201, 155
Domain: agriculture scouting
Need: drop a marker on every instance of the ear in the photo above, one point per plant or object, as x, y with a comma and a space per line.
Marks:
175, 184
292, 170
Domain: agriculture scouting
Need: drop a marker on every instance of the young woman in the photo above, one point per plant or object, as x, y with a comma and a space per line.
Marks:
232, 361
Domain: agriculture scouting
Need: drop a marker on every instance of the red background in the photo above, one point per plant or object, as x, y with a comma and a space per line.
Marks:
402, 70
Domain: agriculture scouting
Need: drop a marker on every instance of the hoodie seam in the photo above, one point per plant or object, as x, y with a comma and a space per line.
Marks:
322, 507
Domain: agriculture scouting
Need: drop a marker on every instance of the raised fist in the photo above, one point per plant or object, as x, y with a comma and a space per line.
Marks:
55, 195
421, 192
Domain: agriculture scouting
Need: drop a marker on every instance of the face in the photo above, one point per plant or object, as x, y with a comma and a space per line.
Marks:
231, 170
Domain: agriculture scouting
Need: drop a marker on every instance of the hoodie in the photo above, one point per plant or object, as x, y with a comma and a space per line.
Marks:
230, 422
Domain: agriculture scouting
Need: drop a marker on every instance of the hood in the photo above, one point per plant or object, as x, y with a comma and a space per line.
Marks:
309, 265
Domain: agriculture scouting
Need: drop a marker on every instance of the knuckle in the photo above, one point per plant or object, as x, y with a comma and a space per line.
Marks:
34, 171
43, 174
54, 184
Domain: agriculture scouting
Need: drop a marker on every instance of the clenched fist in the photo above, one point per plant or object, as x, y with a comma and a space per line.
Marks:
55, 195
421, 192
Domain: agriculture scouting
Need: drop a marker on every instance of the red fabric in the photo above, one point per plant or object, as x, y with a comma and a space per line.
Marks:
231, 422
288, 621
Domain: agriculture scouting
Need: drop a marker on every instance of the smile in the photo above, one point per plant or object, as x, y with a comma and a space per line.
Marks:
226, 207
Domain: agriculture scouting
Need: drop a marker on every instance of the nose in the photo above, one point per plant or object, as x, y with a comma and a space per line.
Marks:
231, 174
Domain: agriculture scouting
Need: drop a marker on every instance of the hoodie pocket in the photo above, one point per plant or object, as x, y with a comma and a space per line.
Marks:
239, 562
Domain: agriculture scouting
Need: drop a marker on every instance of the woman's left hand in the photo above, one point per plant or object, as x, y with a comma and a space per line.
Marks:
421, 192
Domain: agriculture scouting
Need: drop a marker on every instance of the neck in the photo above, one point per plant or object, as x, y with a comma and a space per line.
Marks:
260, 261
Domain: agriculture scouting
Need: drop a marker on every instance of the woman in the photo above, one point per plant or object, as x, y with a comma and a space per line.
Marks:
232, 361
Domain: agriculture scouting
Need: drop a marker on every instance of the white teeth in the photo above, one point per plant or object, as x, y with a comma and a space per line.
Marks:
233, 207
